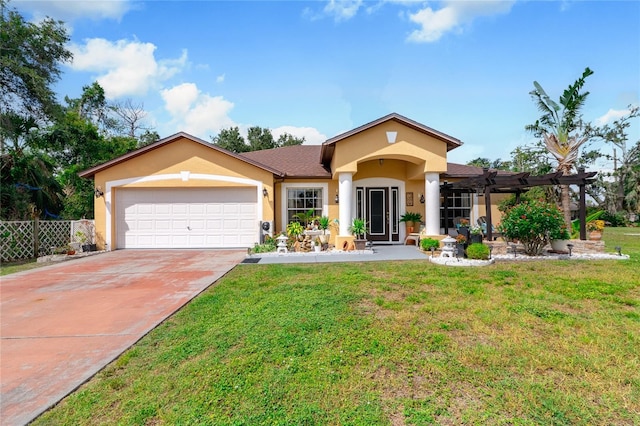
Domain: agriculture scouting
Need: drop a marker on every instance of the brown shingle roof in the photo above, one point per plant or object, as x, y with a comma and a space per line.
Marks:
462, 170
301, 161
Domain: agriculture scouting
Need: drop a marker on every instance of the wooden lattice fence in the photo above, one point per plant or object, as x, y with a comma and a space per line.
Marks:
18, 238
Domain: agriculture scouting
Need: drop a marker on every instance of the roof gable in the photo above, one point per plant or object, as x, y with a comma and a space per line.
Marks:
328, 147
165, 141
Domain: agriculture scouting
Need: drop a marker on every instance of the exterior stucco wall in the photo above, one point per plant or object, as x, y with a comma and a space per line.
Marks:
332, 207
165, 167
427, 153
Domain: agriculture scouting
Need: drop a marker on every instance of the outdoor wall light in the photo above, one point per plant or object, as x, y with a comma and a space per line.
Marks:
99, 192
265, 192
381, 161
421, 198
337, 199
619, 250
570, 247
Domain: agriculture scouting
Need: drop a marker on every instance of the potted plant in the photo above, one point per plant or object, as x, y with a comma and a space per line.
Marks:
317, 245
323, 223
559, 238
85, 236
359, 229
461, 241
595, 228
475, 234
410, 219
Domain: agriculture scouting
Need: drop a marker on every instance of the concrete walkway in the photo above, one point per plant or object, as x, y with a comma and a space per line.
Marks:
63, 323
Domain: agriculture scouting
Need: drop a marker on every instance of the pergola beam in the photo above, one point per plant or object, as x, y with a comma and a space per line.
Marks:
489, 182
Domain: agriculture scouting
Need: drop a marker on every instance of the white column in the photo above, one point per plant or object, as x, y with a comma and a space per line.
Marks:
345, 195
432, 203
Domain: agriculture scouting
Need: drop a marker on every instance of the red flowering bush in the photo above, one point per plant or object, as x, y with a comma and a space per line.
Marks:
532, 223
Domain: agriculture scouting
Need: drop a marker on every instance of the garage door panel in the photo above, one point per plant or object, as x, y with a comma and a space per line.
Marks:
162, 209
186, 218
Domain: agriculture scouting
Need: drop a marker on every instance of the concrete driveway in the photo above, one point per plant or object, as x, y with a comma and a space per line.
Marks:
63, 323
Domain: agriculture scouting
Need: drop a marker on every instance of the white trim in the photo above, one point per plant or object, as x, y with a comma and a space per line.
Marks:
176, 176
432, 203
475, 210
283, 198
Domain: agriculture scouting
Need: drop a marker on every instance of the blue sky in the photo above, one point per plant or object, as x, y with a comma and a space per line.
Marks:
316, 69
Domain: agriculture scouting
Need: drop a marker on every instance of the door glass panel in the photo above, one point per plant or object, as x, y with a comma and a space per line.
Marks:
394, 210
377, 212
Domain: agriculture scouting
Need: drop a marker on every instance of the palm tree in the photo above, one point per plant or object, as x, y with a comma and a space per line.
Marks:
558, 125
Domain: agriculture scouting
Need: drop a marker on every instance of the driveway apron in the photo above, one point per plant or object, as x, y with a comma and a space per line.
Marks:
63, 323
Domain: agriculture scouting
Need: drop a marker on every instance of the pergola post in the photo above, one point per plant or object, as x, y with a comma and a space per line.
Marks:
487, 206
582, 209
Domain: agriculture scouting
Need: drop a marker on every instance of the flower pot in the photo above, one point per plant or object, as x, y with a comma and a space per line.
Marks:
461, 249
476, 238
360, 244
317, 248
595, 235
559, 245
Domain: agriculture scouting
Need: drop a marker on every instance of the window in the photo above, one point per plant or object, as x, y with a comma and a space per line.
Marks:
301, 200
459, 206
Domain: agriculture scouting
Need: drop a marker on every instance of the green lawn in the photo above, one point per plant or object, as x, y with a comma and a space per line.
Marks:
553, 342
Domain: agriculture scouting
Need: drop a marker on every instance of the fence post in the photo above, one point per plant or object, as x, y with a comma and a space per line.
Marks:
36, 237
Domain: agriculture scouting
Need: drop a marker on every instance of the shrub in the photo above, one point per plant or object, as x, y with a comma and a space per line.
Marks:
478, 251
560, 233
427, 243
615, 219
268, 245
531, 223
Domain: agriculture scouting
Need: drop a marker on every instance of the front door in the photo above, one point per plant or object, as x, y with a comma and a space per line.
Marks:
379, 206
378, 213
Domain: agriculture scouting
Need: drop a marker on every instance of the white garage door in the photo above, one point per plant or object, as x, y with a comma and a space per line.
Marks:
186, 218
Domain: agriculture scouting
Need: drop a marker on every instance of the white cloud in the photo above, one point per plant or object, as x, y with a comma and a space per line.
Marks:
220, 78
340, 10
125, 67
611, 116
73, 10
451, 17
312, 135
195, 112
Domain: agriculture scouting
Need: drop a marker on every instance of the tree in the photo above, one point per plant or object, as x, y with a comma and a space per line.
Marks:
147, 137
623, 194
30, 58
131, 117
260, 138
75, 144
286, 139
231, 140
559, 126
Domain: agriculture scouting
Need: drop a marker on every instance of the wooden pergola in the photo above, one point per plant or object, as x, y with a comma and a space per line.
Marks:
490, 183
